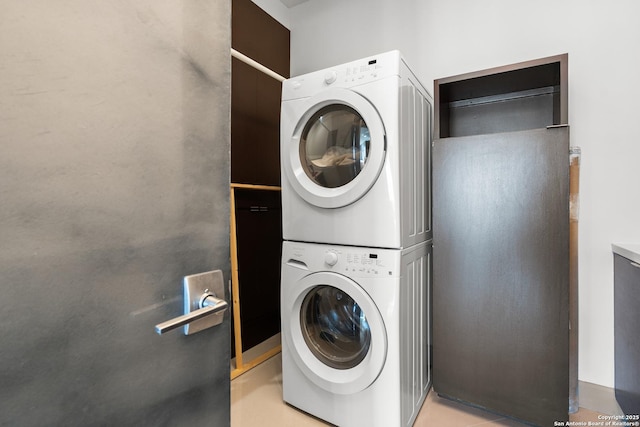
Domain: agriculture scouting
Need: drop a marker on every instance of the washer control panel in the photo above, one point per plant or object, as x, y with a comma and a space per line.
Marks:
350, 261
360, 263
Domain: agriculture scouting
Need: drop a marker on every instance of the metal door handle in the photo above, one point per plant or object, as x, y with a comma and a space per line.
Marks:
208, 305
202, 307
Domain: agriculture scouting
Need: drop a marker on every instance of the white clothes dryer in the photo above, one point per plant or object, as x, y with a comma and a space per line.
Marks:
355, 155
356, 332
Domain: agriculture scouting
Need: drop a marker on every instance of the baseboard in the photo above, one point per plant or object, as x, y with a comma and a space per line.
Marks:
259, 350
598, 398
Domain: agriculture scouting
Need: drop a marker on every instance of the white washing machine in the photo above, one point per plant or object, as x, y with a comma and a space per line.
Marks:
355, 155
356, 332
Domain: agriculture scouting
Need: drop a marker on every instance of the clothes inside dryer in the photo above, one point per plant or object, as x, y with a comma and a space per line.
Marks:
334, 145
335, 327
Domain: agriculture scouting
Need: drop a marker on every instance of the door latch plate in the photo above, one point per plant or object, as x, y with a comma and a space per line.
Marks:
195, 285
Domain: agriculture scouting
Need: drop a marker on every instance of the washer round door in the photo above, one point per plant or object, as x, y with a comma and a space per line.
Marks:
336, 334
337, 149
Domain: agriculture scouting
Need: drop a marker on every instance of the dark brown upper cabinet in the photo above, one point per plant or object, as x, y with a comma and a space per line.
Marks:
255, 96
527, 95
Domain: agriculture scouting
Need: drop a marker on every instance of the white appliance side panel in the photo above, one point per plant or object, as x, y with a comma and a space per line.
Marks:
414, 332
415, 160
408, 166
427, 333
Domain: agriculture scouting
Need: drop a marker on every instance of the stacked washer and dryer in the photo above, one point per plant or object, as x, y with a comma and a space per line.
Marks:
356, 260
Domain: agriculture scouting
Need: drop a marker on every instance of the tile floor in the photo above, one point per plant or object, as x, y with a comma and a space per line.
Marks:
256, 400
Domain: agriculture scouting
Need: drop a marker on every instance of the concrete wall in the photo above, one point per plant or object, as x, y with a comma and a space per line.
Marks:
114, 183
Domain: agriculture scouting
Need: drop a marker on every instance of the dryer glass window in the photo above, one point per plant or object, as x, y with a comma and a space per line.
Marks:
334, 145
334, 327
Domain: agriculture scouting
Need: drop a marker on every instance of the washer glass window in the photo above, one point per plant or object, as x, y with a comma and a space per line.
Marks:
334, 327
334, 145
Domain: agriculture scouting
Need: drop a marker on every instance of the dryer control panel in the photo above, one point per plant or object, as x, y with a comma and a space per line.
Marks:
346, 75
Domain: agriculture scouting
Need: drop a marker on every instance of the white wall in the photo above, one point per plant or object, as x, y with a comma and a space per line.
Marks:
276, 9
440, 38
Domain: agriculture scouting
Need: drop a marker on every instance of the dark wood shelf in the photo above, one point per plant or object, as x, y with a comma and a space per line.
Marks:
527, 95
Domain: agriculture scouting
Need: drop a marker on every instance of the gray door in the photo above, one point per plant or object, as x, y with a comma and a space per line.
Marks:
114, 184
501, 272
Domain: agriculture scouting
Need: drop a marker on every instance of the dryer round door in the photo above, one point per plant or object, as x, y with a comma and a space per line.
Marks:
337, 149
336, 333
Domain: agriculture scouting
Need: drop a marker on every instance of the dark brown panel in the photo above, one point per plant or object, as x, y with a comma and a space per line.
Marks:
501, 272
259, 228
627, 346
255, 126
259, 36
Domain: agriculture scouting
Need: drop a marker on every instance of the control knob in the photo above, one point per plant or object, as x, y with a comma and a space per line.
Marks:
330, 77
331, 258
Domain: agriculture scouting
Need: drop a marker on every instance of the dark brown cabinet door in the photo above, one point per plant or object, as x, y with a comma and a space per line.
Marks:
501, 272
627, 347
259, 234
255, 126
